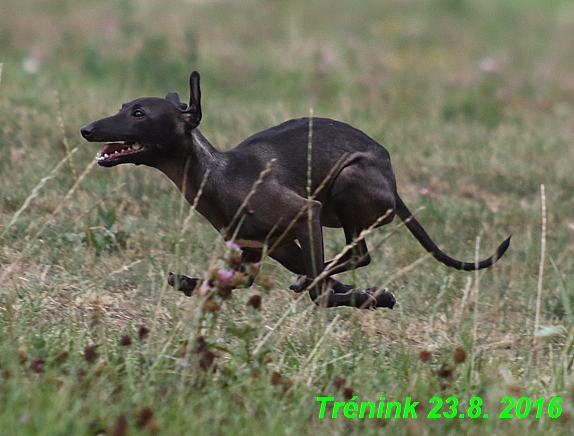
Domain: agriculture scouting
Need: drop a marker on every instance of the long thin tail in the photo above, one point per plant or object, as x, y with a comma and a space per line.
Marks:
419, 232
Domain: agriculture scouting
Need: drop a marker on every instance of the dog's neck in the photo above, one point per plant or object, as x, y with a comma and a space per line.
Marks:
198, 165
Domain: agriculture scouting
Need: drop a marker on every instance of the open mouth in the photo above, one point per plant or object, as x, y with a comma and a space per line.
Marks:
115, 150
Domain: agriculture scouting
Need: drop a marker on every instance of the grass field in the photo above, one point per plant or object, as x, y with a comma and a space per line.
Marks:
474, 99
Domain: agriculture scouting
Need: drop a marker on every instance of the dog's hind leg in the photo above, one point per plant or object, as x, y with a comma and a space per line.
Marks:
338, 294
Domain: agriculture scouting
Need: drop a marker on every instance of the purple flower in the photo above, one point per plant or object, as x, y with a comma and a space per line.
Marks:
204, 289
233, 246
224, 275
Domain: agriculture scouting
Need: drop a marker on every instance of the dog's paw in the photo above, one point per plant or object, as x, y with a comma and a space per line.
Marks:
183, 283
300, 284
382, 296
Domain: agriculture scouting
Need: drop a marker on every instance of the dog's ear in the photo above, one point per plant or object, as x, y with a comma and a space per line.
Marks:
174, 97
195, 92
193, 112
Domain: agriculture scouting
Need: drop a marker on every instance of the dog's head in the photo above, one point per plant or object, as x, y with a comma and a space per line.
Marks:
144, 130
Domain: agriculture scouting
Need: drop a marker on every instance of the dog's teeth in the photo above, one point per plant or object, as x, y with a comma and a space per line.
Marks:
136, 146
106, 156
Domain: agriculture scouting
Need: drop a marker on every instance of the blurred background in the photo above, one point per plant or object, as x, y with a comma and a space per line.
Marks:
481, 59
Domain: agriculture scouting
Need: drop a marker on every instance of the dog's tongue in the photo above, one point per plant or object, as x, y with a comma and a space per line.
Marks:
112, 147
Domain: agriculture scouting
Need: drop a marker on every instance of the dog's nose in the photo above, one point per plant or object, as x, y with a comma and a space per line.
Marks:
87, 130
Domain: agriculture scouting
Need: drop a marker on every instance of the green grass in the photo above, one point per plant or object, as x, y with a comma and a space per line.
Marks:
473, 99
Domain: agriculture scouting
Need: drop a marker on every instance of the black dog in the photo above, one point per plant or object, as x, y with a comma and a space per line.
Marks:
278, 186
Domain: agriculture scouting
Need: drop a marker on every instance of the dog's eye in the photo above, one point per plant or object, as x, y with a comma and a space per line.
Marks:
138, 113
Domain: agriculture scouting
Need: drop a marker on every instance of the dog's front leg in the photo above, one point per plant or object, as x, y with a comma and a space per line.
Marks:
249, 266
309, 233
